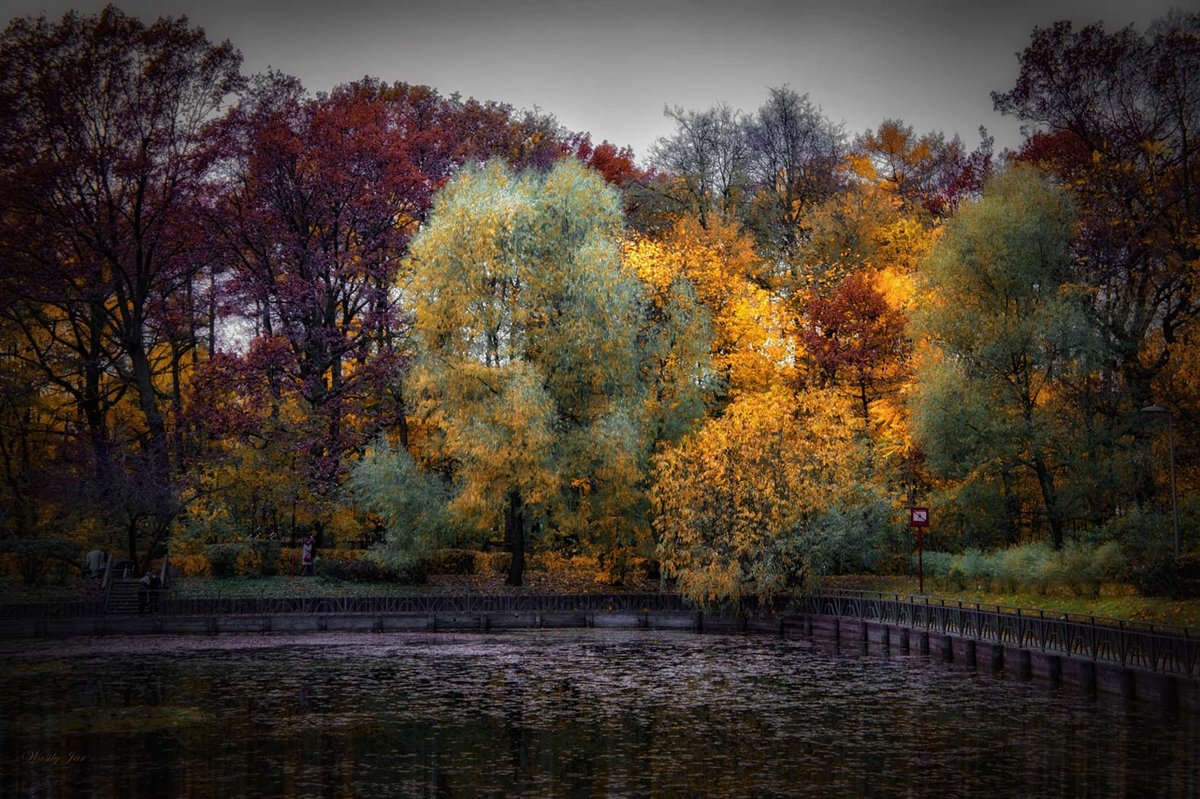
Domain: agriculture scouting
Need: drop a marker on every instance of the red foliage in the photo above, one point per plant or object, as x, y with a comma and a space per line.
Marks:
854, 330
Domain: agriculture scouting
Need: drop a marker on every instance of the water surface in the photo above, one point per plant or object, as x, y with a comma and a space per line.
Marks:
587, 713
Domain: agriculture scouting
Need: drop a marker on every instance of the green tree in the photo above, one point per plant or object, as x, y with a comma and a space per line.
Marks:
1008, 333
411, 501
528, 364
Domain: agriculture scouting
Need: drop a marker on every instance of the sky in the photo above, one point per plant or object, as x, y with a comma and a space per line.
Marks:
610, 67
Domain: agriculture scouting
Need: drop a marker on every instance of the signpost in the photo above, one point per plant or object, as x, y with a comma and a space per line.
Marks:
919, 519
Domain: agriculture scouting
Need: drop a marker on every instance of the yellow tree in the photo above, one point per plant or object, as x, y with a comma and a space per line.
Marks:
730, 499
722, 269
526, 326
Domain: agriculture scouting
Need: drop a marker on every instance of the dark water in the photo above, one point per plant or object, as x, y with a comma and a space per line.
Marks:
570, 713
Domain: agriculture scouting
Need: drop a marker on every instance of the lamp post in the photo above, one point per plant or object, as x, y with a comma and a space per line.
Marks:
1158, 410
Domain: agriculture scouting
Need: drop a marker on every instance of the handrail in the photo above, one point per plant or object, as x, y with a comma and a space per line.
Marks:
1173, 650
1129, 624
1166, 650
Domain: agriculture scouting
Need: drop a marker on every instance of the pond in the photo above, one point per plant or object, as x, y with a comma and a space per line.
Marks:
577, 713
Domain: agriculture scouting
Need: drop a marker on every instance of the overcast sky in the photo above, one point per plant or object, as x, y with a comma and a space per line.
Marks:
610, 66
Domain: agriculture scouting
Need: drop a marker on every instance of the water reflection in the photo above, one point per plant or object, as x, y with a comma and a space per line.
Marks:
572, 713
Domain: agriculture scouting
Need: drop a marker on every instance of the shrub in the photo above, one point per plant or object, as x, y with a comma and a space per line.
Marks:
492, 562
360, 570
411, 501
1027, 565
223, 558
38, 557
623, 567
249, 562
937, 564
972, 568
243, 559
846, 539
192, 565
1175, 578
1083, 568
373, 567
455, 561
268, 556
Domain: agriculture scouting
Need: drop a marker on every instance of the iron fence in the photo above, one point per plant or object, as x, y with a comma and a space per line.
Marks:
1162, 648
412, 603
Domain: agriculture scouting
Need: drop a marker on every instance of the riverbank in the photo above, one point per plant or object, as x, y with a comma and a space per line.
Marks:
1142, 664
1116, 602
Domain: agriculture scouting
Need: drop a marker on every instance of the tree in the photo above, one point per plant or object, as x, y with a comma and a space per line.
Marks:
929, 174
102, 123
729, 497
526, 326
316, 207
1114, 117
856, 339
706, 161
676, 343
1009, 333
720, 266
795, 157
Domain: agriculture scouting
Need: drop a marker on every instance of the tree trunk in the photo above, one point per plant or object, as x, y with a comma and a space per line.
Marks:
1050, 498
514, 534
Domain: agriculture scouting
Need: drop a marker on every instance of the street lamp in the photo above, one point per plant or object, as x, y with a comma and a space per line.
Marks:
1160, 410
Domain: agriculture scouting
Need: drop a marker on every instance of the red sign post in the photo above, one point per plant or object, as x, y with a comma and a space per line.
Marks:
919, 519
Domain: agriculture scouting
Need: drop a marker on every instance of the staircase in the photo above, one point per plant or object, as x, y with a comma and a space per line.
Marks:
122, 595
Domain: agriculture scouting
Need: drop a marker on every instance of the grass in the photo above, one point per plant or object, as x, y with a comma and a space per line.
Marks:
1116, 600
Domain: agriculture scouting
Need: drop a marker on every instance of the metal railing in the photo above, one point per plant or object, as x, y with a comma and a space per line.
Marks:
423, 603
410, 603
1167, 649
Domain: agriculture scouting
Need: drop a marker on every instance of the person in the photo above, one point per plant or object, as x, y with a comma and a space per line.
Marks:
95, 563
143, 592
148, 592
306, 557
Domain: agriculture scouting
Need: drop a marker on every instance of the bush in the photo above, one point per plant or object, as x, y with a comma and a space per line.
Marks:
243, 559
849, 539
1083, 568
1174, 578
455, 561
973, 568
411, 501
249, 562
372, 568
492, 562
624, 567
223, 558
937, 564
1024, 566
192, 565
38, 557
360, 570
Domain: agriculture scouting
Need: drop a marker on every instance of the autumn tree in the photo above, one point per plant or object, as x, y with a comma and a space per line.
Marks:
928, 173
677, 368
731, 499
1009, 333
102, 123
528, 367
856, 339
721, 267
706, 161
795, 155
319, 199
1114, 117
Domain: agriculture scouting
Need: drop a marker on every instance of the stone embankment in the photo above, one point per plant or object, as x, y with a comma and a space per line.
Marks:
1101, 660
